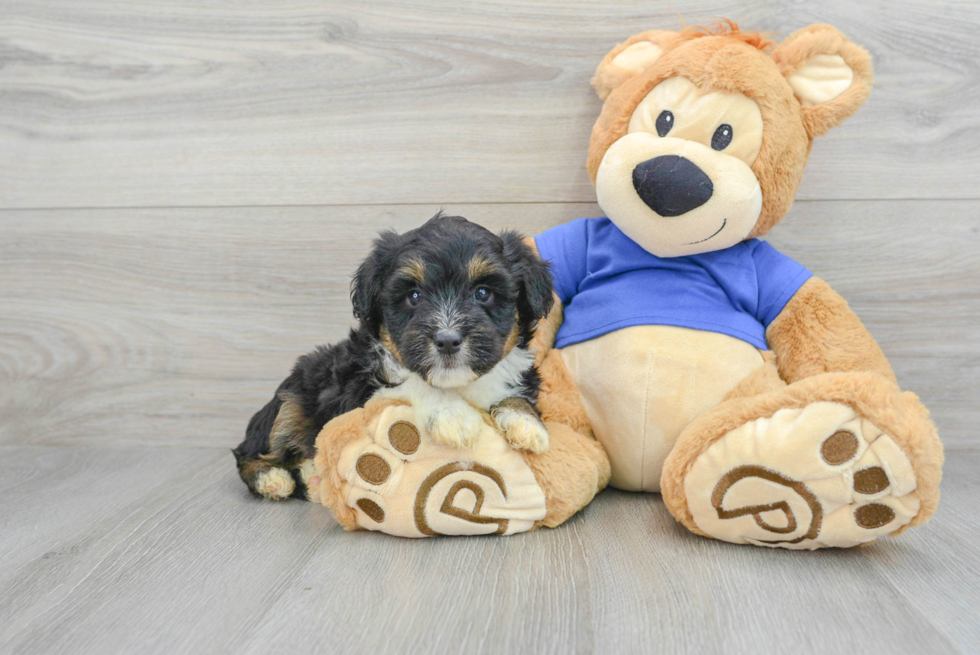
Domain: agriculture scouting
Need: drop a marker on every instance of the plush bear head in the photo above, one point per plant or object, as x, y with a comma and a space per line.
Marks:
704, 133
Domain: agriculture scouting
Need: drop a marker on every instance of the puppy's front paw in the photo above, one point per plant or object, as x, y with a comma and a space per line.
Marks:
523, 430
457, 425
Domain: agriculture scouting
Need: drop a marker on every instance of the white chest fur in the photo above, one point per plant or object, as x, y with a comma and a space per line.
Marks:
450, 416
501, 382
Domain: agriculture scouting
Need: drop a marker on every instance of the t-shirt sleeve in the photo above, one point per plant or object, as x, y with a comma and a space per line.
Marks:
779, 279
566, 248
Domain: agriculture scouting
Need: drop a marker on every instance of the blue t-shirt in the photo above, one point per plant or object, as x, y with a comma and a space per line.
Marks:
608, 282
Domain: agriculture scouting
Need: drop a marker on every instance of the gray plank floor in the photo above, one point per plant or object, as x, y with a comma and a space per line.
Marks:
185, 188
173, 557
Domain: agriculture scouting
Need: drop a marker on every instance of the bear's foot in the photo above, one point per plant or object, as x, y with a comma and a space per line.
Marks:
389, 476
804, 478
811, 476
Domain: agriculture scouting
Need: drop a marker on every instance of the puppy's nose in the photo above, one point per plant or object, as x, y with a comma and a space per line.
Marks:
671, 185
448, 341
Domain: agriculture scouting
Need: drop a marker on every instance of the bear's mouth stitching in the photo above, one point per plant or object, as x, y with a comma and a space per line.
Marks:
723, 224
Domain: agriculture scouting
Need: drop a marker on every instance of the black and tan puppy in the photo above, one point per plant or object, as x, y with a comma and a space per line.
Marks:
446, 313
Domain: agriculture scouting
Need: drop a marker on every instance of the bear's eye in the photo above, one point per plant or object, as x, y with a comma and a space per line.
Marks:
665, 121
722, 137
414, 298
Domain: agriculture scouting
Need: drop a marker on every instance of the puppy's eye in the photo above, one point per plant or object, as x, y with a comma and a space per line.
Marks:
722, 137
665, 121
483, 295
413, 298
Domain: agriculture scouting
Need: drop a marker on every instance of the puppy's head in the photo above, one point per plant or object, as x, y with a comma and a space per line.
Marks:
450, 299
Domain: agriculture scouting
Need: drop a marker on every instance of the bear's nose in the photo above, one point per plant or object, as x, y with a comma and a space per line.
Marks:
671, 185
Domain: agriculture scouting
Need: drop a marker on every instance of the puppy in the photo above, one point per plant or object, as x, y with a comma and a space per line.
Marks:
445, 315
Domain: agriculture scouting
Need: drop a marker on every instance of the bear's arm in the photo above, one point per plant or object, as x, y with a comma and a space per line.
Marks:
816, 332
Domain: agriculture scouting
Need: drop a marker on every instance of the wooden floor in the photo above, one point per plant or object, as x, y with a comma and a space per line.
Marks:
136, 549
185, 188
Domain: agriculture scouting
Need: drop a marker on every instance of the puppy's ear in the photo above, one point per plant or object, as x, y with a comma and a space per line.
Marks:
536, 297
368, 283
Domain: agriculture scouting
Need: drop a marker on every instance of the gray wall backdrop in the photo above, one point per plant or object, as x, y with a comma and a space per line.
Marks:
185, 187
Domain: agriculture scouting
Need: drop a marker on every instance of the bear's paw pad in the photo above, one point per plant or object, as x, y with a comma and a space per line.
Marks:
814, 477
400, 481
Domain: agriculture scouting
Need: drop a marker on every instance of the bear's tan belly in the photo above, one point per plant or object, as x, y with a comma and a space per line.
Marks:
642, 385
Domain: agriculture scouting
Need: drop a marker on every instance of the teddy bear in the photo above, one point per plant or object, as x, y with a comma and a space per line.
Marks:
710, 367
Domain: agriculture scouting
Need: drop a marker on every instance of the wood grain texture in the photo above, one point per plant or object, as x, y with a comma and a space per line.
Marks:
163, 551
171, 327
189, 103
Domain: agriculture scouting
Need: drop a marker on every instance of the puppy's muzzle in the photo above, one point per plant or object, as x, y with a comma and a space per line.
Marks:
671, 185
448, 342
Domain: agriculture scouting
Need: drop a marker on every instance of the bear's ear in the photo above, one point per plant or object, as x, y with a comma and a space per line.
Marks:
629, 58
830, 76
